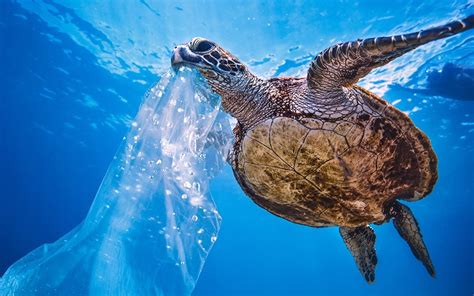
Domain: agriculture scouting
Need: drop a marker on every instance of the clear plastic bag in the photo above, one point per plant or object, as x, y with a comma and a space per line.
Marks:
153, 222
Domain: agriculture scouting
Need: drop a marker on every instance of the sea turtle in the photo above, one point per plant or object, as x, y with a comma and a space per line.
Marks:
320, 150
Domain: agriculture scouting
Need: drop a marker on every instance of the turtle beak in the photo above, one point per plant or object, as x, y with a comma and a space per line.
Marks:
182, 55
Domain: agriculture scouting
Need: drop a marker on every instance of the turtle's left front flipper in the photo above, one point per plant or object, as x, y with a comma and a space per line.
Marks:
408, 228
344, 64
361, 243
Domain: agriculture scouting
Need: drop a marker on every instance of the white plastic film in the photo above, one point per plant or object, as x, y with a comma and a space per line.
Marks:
153, 222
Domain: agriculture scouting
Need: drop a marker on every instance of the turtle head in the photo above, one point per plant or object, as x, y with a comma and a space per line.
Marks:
223, 71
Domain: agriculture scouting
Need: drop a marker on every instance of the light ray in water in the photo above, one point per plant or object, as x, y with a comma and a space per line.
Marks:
152, 222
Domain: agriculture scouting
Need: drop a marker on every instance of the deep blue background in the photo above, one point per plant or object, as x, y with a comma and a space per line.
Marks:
63, 115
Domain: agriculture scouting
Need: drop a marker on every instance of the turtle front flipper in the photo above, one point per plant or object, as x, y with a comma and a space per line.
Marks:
408, 228
361, 243
345, 63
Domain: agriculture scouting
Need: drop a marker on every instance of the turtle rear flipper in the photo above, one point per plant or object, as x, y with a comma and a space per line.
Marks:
408, 228
361, 243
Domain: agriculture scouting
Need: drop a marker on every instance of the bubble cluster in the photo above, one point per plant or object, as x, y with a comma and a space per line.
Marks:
152, 215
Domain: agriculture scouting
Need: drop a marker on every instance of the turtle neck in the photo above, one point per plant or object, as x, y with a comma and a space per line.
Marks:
247, 99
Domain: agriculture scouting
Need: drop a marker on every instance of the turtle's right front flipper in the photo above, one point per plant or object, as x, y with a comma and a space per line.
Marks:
344, 64
361, 243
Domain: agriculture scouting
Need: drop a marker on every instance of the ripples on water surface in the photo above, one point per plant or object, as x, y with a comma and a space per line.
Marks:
73, 75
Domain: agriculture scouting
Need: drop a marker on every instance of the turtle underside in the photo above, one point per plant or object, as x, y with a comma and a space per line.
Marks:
342, 172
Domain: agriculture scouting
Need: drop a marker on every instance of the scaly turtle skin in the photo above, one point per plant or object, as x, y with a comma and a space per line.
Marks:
322, 151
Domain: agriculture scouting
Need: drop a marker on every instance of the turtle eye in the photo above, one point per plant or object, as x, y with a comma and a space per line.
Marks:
201, 45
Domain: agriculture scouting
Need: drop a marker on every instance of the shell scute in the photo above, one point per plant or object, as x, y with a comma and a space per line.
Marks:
255, 152
287, 147
315, 150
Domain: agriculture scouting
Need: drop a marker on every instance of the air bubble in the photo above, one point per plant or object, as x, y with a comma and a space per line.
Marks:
158, 145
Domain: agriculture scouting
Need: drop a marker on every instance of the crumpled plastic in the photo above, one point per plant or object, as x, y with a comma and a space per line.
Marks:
153, 221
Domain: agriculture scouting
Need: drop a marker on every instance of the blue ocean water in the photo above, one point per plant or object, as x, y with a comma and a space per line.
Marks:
73, 75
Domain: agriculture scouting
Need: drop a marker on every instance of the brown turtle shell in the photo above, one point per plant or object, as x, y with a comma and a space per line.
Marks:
341, 172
